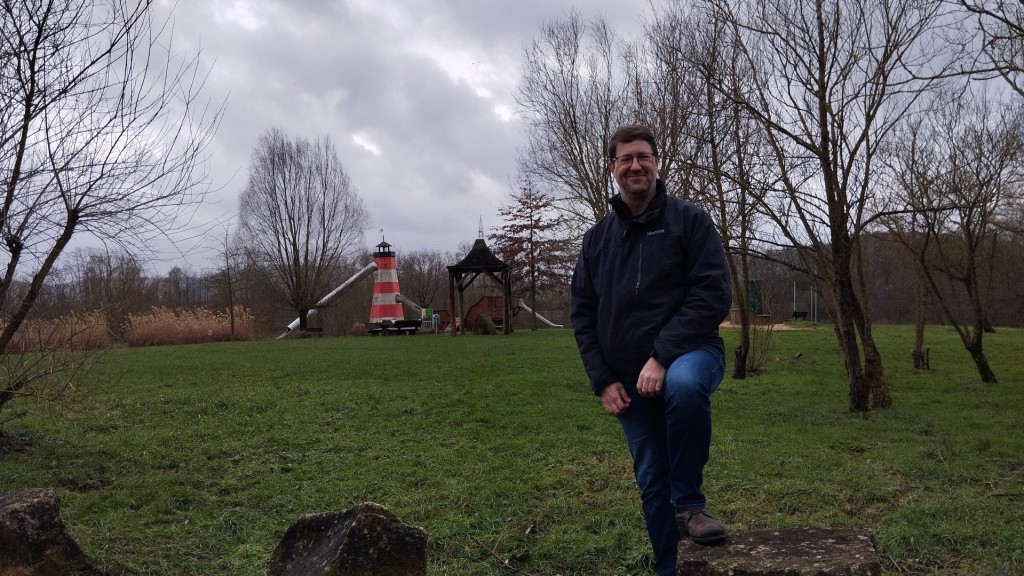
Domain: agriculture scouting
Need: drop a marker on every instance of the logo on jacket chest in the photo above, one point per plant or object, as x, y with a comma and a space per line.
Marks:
656, 232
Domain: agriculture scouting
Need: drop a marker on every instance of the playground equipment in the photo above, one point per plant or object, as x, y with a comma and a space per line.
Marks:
539, 317
331, 296
386, 313
492, 307
415, 307
429, 319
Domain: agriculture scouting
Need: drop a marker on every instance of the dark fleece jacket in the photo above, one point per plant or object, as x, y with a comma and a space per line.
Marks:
652, 285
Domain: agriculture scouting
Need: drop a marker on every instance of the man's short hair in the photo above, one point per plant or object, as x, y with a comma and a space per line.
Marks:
629, 133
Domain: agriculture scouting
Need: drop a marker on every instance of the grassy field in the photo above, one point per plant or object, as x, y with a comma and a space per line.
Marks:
193, 460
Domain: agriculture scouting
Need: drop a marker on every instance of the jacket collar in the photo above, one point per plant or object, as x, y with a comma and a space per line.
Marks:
652, 211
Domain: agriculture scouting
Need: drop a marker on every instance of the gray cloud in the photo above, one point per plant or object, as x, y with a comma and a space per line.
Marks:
416, 95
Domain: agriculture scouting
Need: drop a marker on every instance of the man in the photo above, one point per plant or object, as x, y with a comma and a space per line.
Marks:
651, 287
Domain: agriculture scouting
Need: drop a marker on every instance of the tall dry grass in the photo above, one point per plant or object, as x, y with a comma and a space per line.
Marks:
73, 332
166, 326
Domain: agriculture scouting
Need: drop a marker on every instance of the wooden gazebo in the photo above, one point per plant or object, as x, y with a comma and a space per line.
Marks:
480, 260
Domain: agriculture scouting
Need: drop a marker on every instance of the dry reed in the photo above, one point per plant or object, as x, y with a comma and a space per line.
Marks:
73, 332
195, 326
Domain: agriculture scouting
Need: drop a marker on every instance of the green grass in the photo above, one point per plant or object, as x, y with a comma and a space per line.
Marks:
195, 459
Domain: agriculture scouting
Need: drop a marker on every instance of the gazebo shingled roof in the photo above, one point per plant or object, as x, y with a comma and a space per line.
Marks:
479, 259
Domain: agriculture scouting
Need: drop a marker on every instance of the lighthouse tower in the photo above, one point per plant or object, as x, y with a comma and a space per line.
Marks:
385, 306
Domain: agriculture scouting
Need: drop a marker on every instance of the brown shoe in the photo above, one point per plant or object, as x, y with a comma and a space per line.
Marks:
700, 526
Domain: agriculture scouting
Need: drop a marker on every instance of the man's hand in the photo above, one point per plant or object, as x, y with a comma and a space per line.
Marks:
652, 379
615, 399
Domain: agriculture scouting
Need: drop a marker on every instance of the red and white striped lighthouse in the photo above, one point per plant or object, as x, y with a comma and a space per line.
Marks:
385, 307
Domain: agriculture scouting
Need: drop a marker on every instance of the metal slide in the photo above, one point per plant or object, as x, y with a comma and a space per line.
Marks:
416, 307
539, 317
331, 296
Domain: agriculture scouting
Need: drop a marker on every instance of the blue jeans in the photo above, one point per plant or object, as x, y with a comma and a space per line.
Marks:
669, 438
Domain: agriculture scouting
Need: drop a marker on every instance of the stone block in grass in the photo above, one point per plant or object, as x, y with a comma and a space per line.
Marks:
789, 552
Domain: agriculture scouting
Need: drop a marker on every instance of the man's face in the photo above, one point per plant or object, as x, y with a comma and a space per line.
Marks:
635, 177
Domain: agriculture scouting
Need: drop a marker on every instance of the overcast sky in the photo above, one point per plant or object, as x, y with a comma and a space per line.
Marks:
417, 95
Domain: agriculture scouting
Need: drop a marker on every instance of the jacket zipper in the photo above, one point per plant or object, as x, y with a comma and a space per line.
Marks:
639, 266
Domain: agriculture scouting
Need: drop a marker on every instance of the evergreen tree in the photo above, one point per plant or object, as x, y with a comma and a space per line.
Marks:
532, 241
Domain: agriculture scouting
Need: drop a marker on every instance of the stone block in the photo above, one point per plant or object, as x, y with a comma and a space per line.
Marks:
366, 540
33, 540
787, 552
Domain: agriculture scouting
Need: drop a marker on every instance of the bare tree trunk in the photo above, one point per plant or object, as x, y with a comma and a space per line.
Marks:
920, 315
846, 332
974, 344
739, 371
981, 361
533, 298
874, 372
14, 323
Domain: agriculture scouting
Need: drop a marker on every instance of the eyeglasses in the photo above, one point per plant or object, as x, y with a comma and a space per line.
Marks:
627, 159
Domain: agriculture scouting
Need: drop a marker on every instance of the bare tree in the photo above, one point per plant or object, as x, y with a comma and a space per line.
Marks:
721, 158
831, 79
116, 284
101, 133
960, 169
424, 277
300, 217
572, 99
999, 26
225, 282
666, 90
